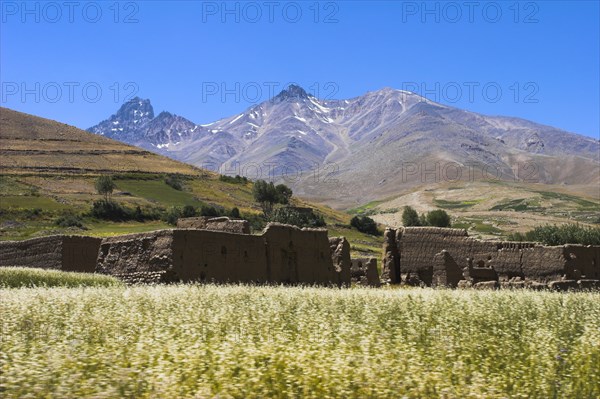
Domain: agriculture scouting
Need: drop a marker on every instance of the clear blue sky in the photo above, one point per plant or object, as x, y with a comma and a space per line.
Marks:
543, 56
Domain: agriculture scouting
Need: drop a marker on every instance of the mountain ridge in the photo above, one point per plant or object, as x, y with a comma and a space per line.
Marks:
373, 136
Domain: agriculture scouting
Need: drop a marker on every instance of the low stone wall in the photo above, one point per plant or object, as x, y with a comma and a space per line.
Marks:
215, 223
67, 253
435, 256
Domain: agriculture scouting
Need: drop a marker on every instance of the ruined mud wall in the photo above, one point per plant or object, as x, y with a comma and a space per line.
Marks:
67, 253
210, 256
282, 254
299, 255
364, 272
138, 253
216, 224
340, 256
439, 256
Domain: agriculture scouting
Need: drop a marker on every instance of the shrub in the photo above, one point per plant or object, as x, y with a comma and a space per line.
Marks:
365, 224
209, 210
189, 211
559, 235
410, 217
174, 181
69, 220
235, 213
109, 210
438, 218
233, 180
172, 215
289, 215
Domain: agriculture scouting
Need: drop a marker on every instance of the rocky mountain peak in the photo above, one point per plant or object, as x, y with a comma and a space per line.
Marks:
292, 92
136, 109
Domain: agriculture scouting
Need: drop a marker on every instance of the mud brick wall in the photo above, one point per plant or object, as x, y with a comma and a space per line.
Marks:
299, 255
339, 248
364, 272
584, 260
211, 256
418, 246
438, 256
216, 224
282, 254
507, 261
133, 253
67, 253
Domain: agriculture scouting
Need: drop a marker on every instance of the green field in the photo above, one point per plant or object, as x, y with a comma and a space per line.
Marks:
194, 341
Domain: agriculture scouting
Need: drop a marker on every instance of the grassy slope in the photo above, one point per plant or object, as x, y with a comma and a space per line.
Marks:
35, 151
259, 342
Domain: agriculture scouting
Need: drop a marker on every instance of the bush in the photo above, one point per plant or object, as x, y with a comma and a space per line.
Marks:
109, 210
438, 218
174, 181
559, 235
189, 211
235, 213
233, 180
69, 220
209, 210
365, 224
172, 215
410, 217
289, 215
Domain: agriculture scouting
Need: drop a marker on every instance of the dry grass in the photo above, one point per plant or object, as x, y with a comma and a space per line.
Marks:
249, 342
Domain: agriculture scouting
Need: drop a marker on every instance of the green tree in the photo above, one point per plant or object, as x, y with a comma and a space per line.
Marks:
267, 194
438, 218
410, 217
365, 224
105, 186
284, 194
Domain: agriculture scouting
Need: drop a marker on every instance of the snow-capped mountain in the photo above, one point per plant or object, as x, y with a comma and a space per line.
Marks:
363, 144
134, 123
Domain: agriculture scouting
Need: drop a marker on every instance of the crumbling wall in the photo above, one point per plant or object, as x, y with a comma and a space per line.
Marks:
340, 256
60, 252
299, 255
364, 272
282, 254
583, 261
446, 272
215, 223
444, 257
138, 253
390, 264
210, 256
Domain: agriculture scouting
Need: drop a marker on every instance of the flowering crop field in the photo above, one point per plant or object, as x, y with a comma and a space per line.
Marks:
205, 341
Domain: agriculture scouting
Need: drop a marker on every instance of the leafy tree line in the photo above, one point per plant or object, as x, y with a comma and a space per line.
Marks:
559, 235
437, 218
